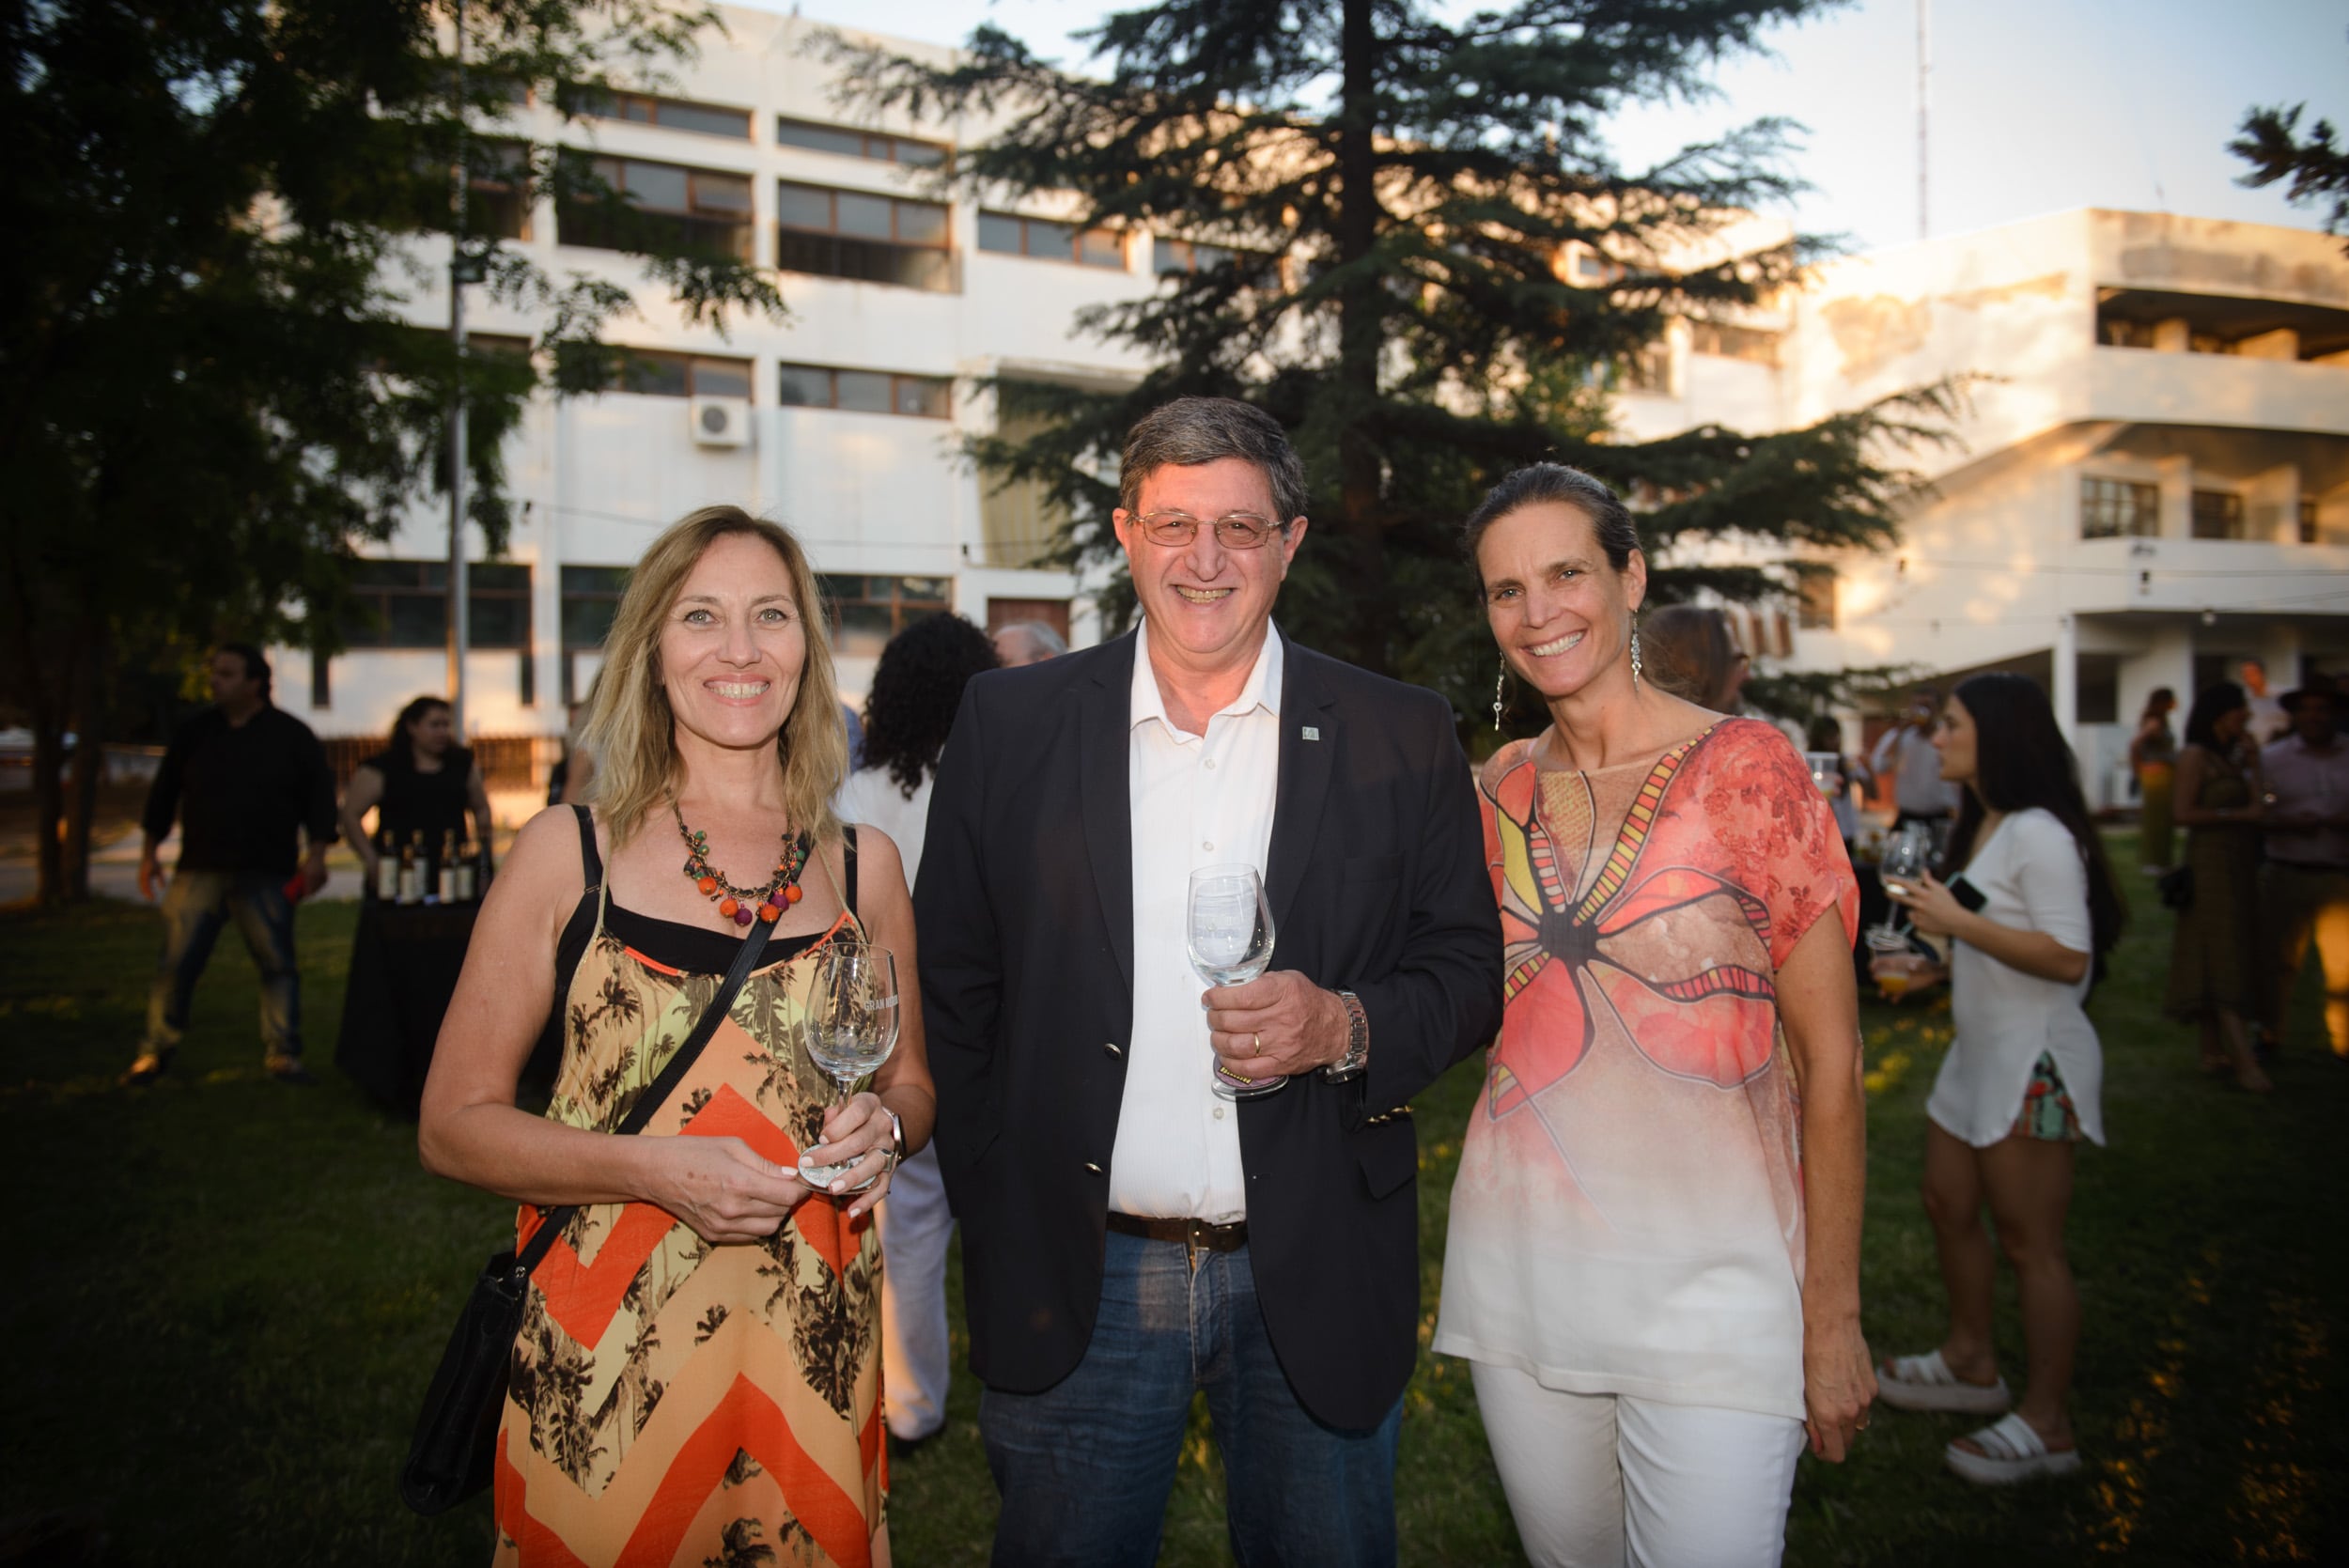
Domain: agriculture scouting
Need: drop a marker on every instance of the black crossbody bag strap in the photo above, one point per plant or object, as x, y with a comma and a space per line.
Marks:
657, 1094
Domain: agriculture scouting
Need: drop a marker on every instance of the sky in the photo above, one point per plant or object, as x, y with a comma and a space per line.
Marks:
2034, 105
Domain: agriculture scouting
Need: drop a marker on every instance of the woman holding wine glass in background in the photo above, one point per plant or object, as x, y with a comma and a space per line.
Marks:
2029, 903
1676, 909
706, 1300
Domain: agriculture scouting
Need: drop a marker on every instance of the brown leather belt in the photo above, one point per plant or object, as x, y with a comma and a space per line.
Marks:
1195, 1234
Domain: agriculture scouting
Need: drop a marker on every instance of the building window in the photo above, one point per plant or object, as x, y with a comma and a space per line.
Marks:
2309, 533
1008, 234
863, 237
1814, 603
498, 174
404, 604
1182, 258
672, 114
2119, 509
321, 683
1649, 370
866, 611
1724, 341
817, 386
693, 210
850, 143
2097, 689
656, 374
2218, 515
591, 596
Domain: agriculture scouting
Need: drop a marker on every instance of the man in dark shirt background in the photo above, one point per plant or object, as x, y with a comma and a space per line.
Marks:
243, 777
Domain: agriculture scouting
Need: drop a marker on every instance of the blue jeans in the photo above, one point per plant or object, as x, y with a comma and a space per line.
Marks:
196, 904
1084, 1467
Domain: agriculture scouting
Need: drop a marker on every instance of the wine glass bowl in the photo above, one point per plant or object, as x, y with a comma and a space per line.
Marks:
1229, 934
1907, 852
849, 1027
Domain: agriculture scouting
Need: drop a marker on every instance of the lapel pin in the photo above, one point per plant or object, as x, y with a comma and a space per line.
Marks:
1310, 732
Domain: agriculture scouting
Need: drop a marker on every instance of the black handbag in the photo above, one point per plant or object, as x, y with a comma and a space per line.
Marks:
449, 1458
2175, 887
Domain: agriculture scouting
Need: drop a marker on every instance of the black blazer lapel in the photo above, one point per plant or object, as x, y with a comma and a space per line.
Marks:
1308, 744
1104, 739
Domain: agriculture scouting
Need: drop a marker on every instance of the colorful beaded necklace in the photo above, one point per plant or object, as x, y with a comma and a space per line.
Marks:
742, 905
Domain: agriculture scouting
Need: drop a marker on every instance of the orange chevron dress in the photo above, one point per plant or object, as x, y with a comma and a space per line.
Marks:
675, 1402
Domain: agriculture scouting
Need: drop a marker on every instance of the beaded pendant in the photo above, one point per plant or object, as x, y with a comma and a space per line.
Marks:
744, 905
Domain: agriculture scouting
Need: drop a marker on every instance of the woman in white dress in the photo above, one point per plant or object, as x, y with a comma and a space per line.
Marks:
2029, 905
916, 688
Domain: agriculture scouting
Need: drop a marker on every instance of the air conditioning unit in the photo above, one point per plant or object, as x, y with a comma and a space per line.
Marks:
721, 421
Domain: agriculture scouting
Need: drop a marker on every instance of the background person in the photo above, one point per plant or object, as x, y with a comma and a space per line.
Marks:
1129, 1239
2304, 882
2217, 975
917, 686
1920, 794
421, 781
1673, 894
2267, 720
2153, 760
2022, 1081
1690, 651
248, 783
1025, 642
735, 1313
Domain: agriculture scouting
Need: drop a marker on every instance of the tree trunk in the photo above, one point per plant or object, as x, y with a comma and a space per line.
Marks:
85, 708
1361, 337
49, 888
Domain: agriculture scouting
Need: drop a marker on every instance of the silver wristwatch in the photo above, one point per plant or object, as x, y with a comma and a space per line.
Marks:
897, 1140
1357, 1055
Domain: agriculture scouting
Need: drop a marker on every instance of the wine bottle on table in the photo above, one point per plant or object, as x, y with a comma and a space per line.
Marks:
412, 869
386, 867
468, 888
445, 869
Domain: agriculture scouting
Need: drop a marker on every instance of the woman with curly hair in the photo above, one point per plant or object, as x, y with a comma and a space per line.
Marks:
916, 689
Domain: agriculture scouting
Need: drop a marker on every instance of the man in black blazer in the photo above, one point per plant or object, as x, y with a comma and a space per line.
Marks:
1129, 1236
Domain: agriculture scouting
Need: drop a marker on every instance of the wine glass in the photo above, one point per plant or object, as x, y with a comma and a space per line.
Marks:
1827, 772
851, 1026
1230, 940
1907, 853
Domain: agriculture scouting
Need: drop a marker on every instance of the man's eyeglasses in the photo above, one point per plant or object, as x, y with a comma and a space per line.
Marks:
1233, 529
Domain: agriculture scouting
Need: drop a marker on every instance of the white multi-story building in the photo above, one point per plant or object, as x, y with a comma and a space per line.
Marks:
843, 422
2149, 483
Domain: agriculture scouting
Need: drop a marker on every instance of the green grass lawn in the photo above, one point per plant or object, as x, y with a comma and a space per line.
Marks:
229, 1295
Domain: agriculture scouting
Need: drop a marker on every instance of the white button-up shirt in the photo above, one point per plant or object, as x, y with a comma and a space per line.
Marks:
1195, 800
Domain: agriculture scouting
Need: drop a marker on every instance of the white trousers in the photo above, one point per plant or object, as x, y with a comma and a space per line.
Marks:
915, 1226
1605, 1481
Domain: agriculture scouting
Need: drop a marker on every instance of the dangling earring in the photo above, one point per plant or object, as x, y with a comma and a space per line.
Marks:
1634, 651
1500, 679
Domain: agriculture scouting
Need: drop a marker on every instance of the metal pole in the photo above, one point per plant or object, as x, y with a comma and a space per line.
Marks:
458, 269
1924, 73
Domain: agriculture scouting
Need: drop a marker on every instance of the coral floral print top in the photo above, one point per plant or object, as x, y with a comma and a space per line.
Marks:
1628, 1217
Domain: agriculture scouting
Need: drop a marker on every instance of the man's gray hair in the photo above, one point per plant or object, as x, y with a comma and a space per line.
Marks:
1194, 430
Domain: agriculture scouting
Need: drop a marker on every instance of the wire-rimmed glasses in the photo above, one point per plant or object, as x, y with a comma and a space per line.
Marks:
1233, 529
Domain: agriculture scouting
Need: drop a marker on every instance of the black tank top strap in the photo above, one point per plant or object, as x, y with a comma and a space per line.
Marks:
580, 928
848, 866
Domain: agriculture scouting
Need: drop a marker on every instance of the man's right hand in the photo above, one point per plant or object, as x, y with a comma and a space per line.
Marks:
150, 875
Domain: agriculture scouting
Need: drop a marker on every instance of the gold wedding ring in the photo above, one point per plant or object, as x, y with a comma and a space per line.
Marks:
1259, 1039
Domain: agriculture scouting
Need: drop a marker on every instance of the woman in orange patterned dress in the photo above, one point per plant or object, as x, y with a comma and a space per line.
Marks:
697, 1378
1654, 1250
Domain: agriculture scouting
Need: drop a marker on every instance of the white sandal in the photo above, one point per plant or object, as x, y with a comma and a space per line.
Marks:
2012, 1451
1926, 1383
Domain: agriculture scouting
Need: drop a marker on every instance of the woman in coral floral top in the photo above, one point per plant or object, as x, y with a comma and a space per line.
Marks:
1654, 1250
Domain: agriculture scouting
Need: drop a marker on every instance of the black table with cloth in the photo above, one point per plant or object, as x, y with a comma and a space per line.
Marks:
405, 959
